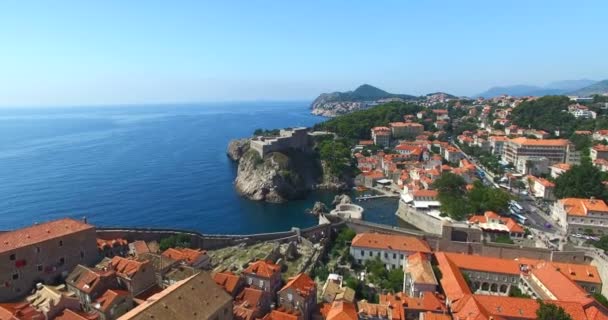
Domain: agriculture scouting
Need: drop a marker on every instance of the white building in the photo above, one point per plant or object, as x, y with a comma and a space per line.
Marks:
392, 250
577, 215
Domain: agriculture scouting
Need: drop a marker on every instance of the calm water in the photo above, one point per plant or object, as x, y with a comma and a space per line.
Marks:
157, 166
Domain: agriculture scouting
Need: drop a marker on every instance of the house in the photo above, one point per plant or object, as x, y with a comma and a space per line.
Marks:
418, 275
600, 135
112, 304
334, 290
252, 304
493, 225
281, 314
342, 310
42, 253
88, 284
452, 154
299, 294
374, 311
263, 275
553, 149
49, 301
558, 169
599, 151
390, 249
405, 129
541, 188
135, 276
195, 298
113, 247
578, 215
381, 136
232, 283
161, 264
406, 307
195, 258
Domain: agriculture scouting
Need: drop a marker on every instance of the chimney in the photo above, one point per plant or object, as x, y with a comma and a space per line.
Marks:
84, 219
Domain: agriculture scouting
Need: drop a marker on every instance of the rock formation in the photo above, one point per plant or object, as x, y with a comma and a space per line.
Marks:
341, 199
319, 208
237, 148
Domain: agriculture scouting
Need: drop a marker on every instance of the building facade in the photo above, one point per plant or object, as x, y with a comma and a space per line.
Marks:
392, 250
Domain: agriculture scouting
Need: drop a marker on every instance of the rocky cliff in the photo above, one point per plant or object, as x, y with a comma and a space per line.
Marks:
280, 176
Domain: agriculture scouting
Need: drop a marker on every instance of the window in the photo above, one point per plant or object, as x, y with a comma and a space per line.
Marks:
61, 243
362, 252
394, 256
402, 256
262, 284
370, 253
386, 255
61, 261
290, 297
82, 255
39, 267
12, 257
37, 249
250, 281
378, 254
15, 276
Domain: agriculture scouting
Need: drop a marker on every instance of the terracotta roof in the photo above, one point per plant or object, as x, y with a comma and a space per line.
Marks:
600, 148
540, 142
68, 314
227, 280
390, 242
453, 283
560, 286
108, 298
373, 310
405, 124
366, 142
127, 267
281, 314
580, 206
425, 193
188, 255
428, 301
263, 268
435, 316
544, 182
102, 243
302, 283
481, 263
562, 166
39, 233
248, 302
341, 310
140, 247
87, 280
420, 269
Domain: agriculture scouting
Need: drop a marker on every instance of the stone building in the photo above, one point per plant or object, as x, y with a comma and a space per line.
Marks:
195, 298
381, 136
296, 138
418, 275
43, 253
299, 294
577, 215
263, 275
405, 129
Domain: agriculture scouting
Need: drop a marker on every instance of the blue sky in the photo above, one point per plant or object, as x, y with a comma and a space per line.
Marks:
108, 52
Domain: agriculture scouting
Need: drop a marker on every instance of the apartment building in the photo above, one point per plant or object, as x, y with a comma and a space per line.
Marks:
523, 148
578, 215
541, 188
299, 294
263, 275
405, 129
43, 253
598, 151
381, 136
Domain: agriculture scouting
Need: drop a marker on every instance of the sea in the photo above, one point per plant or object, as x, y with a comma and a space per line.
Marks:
146, 166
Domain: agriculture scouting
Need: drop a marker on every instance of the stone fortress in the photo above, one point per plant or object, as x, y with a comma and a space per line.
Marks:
296, 138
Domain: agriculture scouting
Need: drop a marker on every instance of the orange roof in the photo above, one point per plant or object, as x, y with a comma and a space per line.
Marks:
184, 254
405, 124
540, 142
247, 303
380, 129
140, 247
425, 193
127, 267
420, 269
101, 243
600, 148
453, 283
580, 206
366, 142
341, 310
544, 182
302, 283
228, 280
390, 242
428, 301
68, 314
38, 233
263, 268
281, 314
563, 166
573, 271
436, 316
106, 300
373, 310
481, 263
560, 286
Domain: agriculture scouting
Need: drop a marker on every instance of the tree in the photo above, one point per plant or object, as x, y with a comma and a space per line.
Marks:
482, 198
503, 239
175, 241
450, 184
549, 311
602, 243
581, 181
601, 299
336, 155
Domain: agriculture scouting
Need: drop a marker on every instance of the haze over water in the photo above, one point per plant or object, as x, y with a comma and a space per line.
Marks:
152, 166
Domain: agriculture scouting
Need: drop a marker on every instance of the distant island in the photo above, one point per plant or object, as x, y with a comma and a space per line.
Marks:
582, 88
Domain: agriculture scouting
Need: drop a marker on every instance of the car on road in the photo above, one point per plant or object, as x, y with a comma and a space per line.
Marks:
548, 225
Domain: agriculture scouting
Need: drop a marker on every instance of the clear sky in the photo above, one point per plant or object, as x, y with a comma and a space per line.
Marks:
108, 52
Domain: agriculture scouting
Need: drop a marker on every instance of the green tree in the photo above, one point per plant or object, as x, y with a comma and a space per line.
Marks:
503, 239
175, 241
336, 155
601, 299
517, 293
549, 311
482, 198
581, 181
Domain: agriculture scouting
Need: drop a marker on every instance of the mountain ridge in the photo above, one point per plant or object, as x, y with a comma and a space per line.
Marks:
552, 88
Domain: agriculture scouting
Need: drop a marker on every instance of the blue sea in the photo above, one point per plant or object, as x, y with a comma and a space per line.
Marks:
153, 166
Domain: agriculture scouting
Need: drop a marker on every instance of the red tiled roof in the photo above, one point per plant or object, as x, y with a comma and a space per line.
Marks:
280, 314
68, 314
127, 267
540, 142
580, 206
106, 300
390, 242
184, 254
38, 233
481, 263
101, 243
263, 268
228, 280
453, 283
341, 310
302, 283
560, 286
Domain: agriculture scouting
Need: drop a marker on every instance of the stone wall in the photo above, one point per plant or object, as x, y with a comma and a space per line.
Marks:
422, 221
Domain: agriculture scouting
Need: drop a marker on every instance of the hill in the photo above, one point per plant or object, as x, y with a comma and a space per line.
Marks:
553, 88
337, 103
600, 87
